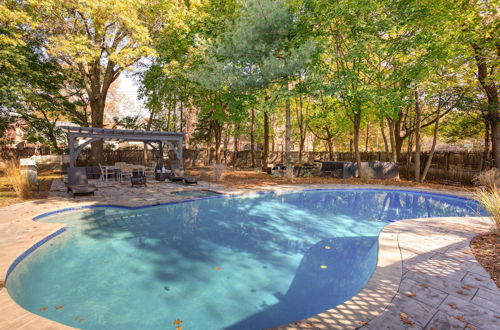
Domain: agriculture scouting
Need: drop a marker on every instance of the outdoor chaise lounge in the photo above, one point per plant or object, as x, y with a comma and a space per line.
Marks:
191, 180
177, 175
78, 182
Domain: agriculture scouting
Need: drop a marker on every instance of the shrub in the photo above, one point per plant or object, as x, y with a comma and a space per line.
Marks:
489, 180
218, 172
490, 199
19, 181
367, 173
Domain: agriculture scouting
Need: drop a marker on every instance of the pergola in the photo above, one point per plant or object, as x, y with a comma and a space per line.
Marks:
172, 139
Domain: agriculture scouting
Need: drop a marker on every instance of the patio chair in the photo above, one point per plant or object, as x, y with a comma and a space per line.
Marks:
127, 170
78, 182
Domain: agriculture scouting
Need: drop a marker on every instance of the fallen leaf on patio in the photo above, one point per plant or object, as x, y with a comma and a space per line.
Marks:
466, 252
217, 268
433, 329
478, 279
324, 267
362, 323
470, 326
403, 317
461, 292
454, 306
460, 318
410, 294
43, 308
425, 286
177, 322
468, 287
59, 307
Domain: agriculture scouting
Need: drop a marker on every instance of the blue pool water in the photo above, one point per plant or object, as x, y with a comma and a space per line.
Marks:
221, 263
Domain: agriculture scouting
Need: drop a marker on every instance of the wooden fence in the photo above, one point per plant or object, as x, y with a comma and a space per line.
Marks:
447, 167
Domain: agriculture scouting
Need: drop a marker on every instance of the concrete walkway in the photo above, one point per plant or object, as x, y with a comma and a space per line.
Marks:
426, 276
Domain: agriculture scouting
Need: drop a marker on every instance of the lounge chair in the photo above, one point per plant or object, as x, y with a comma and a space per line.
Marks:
78, 182
191, 180
176, 175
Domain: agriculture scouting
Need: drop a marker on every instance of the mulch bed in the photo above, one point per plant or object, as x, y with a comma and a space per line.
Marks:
486, 249
254, 179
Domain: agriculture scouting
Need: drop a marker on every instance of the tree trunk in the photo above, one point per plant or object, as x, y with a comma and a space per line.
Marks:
486, 152
265, 151
288, 128
218, 141
384, 137
97, 148
495, 139
367, 136
392, 137
431, 153
329, 143
252, 138
490, 89
97, 90
357, 124
418, 120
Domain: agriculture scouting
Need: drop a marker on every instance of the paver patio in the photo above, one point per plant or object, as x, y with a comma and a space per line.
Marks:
426, 276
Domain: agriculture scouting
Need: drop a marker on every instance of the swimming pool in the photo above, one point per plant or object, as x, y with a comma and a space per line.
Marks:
215, 263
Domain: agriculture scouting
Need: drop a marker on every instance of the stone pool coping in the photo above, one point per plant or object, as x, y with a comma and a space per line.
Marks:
18, 233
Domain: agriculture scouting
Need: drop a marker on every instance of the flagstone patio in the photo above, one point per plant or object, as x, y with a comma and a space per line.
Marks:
426, 277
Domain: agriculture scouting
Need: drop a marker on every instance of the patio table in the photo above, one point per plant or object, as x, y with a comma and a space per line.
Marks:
108, 168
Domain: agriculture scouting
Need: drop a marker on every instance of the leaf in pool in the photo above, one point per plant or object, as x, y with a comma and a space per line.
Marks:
324, 267
59, 307
43, 309
179, 327
217, 268
79, 319
177, 322
328, 247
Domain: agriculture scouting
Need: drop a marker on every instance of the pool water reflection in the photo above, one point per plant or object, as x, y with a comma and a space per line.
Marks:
224, 263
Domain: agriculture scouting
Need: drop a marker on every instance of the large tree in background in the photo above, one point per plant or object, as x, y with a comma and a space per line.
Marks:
262, 50
97, 39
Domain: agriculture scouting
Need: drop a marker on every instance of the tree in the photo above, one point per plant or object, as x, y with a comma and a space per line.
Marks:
97, 39
261, 51
35, 86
